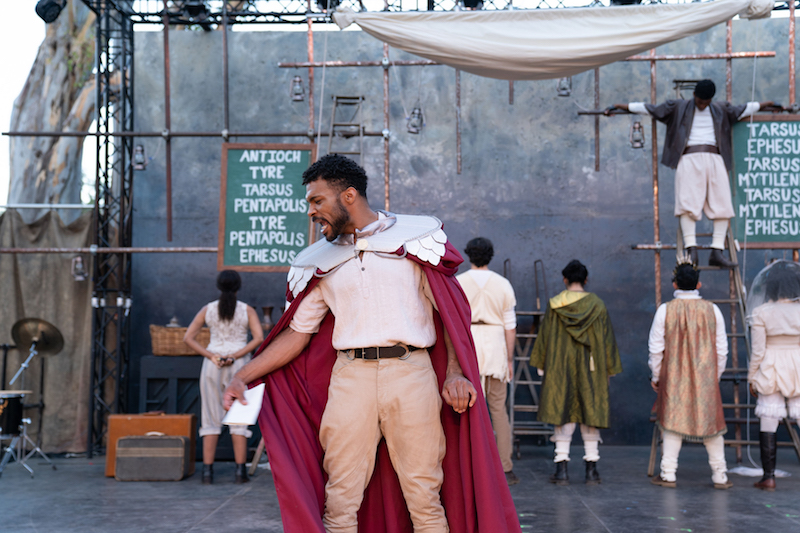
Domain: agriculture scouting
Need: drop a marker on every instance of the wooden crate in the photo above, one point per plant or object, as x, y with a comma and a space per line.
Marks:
169, 341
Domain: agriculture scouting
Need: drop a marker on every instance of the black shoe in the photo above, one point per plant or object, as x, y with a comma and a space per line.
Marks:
241, 474
691, 251
560, 477
511, 478
592, 476
768, 452
717, 259
208, 474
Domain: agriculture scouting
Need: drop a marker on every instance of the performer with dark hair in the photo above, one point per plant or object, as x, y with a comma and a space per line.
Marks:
774, 373
688, 352
494, 329
576, 352
377, 327
698, 144
228, 351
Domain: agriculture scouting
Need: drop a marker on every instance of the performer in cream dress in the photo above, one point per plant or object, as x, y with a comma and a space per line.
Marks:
774, 371
229, 321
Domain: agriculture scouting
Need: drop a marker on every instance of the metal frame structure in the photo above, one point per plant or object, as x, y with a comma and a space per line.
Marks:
115, 134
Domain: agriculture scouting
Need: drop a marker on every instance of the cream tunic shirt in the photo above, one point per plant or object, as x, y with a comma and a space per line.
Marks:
377, 301
492, 301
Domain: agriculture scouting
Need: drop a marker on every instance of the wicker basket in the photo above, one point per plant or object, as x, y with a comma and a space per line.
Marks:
169, 341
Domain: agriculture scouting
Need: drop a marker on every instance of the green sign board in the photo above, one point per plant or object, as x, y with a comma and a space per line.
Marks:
263, 221
766, 181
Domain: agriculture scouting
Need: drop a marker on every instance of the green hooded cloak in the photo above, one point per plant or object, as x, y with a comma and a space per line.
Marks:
577, 351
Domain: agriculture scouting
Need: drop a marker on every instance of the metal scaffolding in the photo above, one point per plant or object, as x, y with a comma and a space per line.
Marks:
113, 208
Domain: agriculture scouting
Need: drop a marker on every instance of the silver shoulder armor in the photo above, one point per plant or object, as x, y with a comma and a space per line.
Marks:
420, 236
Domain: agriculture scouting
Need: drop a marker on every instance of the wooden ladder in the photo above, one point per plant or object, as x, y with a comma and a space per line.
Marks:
345, 125
523, 382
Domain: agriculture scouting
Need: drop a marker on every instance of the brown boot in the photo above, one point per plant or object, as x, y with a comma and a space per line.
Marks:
592, 476
717, 259
560, 477
208, 474
769, 448
241, 474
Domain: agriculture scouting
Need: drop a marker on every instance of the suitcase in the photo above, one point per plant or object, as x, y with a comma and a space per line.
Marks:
131, 425
152, 458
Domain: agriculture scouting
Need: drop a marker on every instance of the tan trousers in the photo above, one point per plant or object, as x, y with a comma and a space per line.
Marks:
702, 185
399, 400
496, 392
213, 381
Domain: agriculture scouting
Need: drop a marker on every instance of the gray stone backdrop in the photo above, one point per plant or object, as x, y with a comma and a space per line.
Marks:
528, 180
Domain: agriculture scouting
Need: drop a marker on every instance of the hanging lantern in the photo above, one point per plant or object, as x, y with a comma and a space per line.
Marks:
564, 87
298, 91
637, 135
77, 270
139, 159
415, 121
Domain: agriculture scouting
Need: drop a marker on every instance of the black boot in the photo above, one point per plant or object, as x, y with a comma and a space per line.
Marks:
241, 474
592, 476
560, 477
208, 474
717, 259
691, 251
769, 448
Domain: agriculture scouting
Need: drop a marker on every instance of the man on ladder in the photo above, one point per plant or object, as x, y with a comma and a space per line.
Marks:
698, 144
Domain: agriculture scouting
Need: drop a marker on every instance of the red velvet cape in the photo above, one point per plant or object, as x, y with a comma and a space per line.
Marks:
475, 494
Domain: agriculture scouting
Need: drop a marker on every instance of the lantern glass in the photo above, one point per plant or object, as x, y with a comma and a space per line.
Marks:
78, 270
139, 158
564, 87
637, 135
415, 121
298, 91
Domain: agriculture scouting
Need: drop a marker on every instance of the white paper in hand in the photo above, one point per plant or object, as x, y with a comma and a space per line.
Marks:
246, 415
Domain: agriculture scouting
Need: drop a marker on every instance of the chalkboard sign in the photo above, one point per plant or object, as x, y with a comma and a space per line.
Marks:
263, 221
766, 181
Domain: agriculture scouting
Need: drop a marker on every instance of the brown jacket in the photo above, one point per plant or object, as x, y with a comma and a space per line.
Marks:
678, 116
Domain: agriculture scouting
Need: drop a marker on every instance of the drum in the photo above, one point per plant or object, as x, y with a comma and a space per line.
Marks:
10, 412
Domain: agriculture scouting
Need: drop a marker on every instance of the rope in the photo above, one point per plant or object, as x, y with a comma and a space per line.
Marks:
322, 87
744, 255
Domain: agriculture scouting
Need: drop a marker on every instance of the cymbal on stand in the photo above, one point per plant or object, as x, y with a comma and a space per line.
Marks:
27, 331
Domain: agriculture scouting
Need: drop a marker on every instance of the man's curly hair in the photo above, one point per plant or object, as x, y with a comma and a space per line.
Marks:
340, 173
480, 251
575, 272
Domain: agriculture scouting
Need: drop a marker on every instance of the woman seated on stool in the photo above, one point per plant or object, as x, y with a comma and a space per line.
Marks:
228, 351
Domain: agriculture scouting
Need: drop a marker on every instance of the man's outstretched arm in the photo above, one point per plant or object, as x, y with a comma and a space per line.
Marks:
281, 351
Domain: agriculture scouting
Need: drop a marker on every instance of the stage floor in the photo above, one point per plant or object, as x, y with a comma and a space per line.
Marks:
78, 498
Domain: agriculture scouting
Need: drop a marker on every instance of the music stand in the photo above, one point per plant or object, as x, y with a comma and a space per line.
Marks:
38, 337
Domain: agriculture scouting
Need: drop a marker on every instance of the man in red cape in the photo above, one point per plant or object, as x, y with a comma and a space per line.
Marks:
296, 369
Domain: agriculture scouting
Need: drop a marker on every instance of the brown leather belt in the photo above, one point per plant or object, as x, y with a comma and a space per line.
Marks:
711, 149
378, 352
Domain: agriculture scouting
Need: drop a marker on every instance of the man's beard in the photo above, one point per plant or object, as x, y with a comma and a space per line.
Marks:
340, 220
